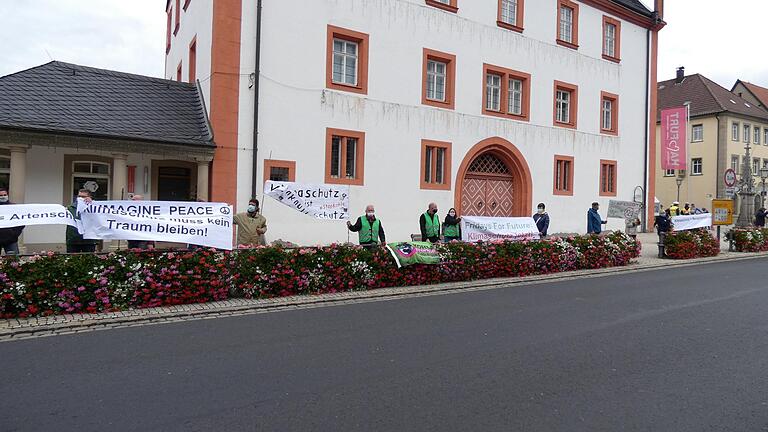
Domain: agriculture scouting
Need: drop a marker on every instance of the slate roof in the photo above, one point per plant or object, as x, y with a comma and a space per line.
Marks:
706, 98
66, 98
636, 6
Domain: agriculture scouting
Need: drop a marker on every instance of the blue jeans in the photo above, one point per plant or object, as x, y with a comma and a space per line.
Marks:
11, 248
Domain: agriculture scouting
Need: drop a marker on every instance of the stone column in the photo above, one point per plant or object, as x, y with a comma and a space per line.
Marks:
203, 169
119, 176
18, 176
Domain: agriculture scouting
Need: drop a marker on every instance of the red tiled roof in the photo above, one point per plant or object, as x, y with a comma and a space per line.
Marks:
705, 97
761, 93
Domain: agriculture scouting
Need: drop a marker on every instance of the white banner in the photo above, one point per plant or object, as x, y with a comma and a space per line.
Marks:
478, 228
682, 223
13, 215
627, 210
198, 223
321, 201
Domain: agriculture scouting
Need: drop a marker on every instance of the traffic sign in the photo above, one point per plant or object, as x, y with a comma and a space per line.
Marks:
730, 177
722, 212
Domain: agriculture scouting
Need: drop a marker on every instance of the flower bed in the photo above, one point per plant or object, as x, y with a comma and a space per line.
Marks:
691, 244
750, 239
54, 284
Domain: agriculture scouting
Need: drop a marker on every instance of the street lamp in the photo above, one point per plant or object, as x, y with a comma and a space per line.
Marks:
679, 182
763, 177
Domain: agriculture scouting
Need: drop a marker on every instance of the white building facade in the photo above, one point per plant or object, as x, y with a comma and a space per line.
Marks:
488, 106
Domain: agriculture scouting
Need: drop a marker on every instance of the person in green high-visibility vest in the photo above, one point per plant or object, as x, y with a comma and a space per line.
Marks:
369, 229
451, 226
429, 223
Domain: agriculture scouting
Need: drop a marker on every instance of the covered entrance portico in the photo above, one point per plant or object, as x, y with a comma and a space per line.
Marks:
494, 180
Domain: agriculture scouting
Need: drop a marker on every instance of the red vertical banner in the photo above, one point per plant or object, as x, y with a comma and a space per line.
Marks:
673, 138
131, 179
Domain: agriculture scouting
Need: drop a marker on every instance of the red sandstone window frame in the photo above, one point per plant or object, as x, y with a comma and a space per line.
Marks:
559, 187
605, 167
179, 72
450, 79
505, 75
574, 43
363, 42
452, 5
519, 19
616, 57
169, 12
186, 4
614, 98
359, 178
573, 108
432, 185
178, 18
276, 163
193, 60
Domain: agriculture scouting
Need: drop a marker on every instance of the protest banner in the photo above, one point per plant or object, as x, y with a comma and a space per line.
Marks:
321, 201
13, 215
409, 253
627, 210
479, 228
198, 223
689, 222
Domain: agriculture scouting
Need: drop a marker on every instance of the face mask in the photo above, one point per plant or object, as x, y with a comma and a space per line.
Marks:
541, 211
3, 199
452, 214
252, 208
369, 214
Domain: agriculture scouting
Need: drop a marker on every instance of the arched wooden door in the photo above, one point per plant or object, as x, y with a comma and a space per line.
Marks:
488, 188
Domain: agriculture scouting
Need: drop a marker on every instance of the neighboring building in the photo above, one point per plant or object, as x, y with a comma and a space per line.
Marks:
721, 123
752, 92
64, 127
489, 106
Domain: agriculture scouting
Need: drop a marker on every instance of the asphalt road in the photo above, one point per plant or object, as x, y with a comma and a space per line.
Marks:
682, 349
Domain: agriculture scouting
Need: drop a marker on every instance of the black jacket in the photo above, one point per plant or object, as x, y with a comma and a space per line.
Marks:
662, 223
10, 235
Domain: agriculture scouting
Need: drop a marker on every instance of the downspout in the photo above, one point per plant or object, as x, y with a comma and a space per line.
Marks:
717, 158
647, 131
256, 81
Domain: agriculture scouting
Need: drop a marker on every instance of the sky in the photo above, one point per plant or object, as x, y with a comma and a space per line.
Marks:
724, 43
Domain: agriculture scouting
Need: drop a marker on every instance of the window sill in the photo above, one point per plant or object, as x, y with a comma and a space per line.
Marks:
443, 6
562, 192
346, 87
607, 194
567, 44
609, 132
695, 141
611, 59
565, 125
509, 26
438, 104
697, 175
435, 186
522, 117
344, 181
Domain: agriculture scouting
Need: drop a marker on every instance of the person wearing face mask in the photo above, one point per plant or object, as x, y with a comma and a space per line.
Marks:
9, 237
75, 241
451, 226
369, 229
251, 226
542, 220
429, 223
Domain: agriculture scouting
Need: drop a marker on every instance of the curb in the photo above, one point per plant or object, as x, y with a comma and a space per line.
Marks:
18, 329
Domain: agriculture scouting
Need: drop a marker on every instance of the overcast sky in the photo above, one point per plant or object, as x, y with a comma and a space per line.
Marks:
722, 43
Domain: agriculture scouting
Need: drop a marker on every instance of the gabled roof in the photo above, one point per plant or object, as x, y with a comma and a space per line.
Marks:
636, 6
706, 97
760, 93
66, 98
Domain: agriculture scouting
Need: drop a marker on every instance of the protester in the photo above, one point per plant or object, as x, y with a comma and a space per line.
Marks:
75, 241
631, 226
686, 210
251, 226
594, 221
429, 224
452, 226
369, 229
663, 224
674, 209
9, 237
694, 209
140, 244
542, 220
760, 217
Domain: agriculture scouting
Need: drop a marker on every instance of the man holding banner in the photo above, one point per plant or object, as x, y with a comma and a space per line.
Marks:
76, 243
251, 226
369, 229
9, 237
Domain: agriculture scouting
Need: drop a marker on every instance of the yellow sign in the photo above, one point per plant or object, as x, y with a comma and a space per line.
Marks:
722, 212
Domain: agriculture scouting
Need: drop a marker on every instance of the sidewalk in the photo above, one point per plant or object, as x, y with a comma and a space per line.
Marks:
17, 329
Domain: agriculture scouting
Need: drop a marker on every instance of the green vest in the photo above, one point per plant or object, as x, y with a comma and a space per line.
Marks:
432, 225
368, 233
451, 230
